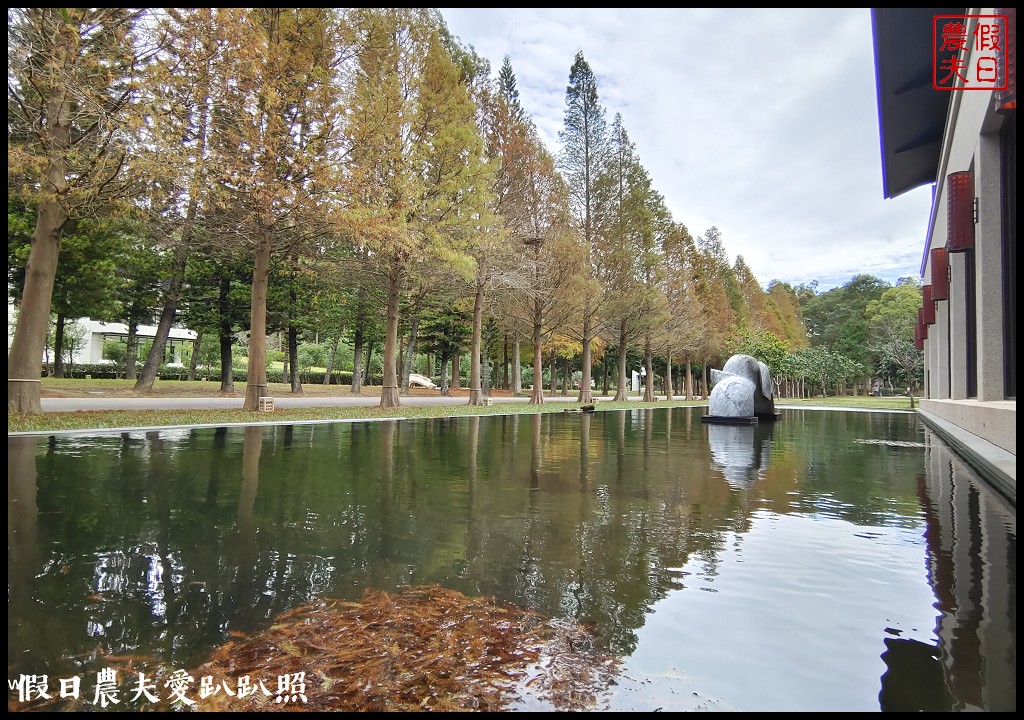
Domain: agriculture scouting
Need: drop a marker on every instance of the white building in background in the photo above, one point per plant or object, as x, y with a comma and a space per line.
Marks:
964, 143
97, 333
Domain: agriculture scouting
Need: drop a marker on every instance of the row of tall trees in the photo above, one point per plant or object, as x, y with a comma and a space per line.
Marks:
354, 172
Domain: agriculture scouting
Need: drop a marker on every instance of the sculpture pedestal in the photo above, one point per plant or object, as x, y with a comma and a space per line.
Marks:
727, 420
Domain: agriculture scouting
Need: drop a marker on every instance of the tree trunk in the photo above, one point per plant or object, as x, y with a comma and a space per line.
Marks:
444, 378
367, 373
410, 353
485, 372
293, 356
586, 396
227, 361
131, 349
456, 382
554, 374
58, 347
537, 393
504, 363
389, 390
70, 344
704, 379
256, 375
476, 395
488, 371
24, 367
688, 379
156, 353
285, 365
517, 368
623, 382
565, 377
649, 365
193, 362
330, 358
668, 377
357, 357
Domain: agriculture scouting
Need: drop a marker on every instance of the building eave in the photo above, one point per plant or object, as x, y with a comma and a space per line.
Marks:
911, 113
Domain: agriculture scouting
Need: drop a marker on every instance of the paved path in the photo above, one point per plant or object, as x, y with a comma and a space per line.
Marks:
281, 401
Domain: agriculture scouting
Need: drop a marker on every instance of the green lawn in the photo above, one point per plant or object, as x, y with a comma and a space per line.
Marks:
897, 402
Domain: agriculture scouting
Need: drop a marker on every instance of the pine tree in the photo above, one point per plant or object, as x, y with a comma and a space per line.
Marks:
508, 92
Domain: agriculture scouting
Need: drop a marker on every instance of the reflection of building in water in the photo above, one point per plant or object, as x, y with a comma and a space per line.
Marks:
971, 539
740, 452
913, 679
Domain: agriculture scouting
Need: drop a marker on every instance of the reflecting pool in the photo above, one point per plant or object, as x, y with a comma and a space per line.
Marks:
830, 561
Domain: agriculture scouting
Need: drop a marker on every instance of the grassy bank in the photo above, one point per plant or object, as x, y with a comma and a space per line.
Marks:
105, 419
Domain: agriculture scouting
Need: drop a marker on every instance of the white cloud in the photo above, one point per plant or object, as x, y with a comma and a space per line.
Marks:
761, 122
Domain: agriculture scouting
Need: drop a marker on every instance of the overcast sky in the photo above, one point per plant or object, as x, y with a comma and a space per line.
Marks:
763, 123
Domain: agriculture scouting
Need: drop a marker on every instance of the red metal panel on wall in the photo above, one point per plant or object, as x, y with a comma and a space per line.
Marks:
940, 274
928, 306
1006, 64
960, 211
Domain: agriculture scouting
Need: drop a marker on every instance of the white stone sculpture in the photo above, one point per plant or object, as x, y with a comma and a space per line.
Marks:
742, 389
422, 381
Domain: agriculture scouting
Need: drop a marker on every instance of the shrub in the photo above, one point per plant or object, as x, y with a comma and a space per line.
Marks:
111, 371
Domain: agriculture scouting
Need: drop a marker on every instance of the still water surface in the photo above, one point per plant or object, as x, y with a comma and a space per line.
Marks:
830, 561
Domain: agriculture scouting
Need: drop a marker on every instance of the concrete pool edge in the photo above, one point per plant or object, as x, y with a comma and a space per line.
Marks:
322, 421
997, 466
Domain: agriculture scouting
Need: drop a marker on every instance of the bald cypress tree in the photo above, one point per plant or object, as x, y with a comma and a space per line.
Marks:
279, 146
583, 157
417, 174
179, 93
70, 86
